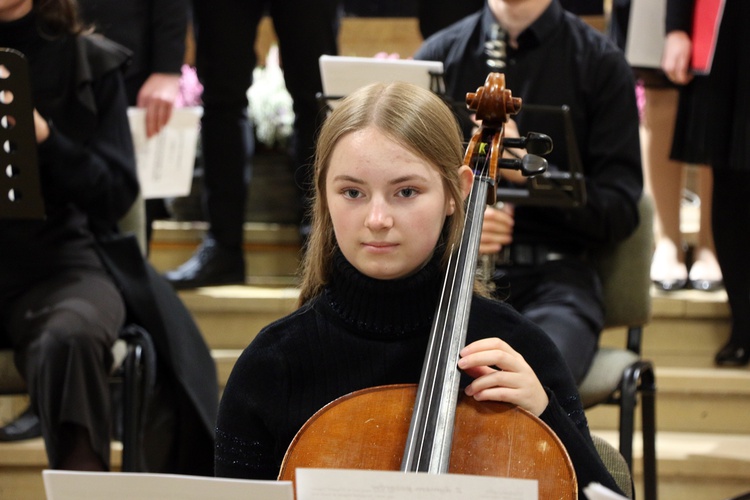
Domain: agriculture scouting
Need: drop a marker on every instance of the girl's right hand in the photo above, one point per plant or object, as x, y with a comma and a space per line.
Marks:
675, 60
501, 374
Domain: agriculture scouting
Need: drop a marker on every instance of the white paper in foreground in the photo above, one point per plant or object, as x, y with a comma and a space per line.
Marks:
165, 162
596, 491
335, 484
70, 485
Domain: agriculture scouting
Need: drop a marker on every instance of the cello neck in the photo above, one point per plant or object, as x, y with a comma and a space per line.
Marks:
428, 444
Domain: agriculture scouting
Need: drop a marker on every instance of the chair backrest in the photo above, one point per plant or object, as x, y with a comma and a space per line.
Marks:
625, 273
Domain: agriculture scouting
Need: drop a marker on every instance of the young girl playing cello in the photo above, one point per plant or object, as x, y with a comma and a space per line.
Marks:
389, 201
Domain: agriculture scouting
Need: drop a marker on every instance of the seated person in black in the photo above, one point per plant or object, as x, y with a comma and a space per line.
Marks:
70, 281
389, 201
551, 57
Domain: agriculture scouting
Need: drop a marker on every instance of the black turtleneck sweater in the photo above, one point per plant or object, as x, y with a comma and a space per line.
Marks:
359, 333
86, 165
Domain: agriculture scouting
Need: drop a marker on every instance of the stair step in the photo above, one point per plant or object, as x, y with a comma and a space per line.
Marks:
271, 250
231, 316
686, 329
21, 466
691, 400
695, 466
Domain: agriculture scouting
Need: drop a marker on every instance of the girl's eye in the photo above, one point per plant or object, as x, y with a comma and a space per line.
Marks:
351, 193
408, 192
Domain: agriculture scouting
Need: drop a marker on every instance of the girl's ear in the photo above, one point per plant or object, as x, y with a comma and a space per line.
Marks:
466, 179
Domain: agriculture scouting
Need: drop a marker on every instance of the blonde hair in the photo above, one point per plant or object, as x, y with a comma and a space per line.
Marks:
415, 118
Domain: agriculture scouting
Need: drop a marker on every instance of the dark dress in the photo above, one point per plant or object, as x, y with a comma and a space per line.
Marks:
712, 125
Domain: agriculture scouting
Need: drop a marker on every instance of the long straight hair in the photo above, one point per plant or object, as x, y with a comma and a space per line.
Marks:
411, 116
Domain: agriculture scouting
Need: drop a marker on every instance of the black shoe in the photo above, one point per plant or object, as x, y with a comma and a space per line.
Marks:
733, 355
706, 285
670, 285
25, 426
212, 264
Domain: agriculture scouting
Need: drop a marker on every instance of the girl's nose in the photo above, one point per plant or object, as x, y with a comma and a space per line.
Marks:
379, 216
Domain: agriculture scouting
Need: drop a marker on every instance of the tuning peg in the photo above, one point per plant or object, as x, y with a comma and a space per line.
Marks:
528, 165
534, 142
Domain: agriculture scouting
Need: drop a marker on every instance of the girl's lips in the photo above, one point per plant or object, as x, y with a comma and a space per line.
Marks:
379, 245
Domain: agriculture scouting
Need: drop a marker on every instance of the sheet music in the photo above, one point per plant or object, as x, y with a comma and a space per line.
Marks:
72, 485
341, 75
333, 484
165, 162
645, 40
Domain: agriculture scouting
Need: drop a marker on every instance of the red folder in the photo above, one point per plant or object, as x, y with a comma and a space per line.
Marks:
706, 21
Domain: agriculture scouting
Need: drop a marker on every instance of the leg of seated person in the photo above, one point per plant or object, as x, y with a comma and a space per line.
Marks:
79, 453
564, 299
62, 331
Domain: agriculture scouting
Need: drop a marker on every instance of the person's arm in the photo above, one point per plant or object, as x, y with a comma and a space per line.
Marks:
98, 176
678, 46
167, 32
679, 15
611, 156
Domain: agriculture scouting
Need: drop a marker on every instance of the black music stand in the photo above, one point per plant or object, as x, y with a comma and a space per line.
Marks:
552, 188
20, 190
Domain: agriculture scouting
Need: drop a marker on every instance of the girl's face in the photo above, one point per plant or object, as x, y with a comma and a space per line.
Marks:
10, 10
387, 205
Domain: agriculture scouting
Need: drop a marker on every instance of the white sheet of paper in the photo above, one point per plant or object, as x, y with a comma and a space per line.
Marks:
70, 485
596, 491
165, 162
333, 484
341, 75
645, 41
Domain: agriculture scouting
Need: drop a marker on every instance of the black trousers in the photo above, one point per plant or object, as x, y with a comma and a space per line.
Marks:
225, 58
62, 330
564, 298
730, 221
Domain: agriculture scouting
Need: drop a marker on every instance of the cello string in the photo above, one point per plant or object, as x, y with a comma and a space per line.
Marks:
440, 340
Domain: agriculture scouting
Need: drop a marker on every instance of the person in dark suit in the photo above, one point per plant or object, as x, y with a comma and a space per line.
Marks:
155, 32
551, 57
225, 59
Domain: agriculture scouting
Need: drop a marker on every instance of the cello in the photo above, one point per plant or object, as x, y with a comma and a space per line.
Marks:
431, 427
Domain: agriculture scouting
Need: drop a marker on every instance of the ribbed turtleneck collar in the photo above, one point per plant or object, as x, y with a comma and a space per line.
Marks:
385, 309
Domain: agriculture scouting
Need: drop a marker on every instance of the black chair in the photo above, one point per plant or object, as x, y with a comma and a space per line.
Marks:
132, 376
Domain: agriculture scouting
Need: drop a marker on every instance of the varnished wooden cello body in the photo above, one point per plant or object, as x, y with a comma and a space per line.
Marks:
431, 427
